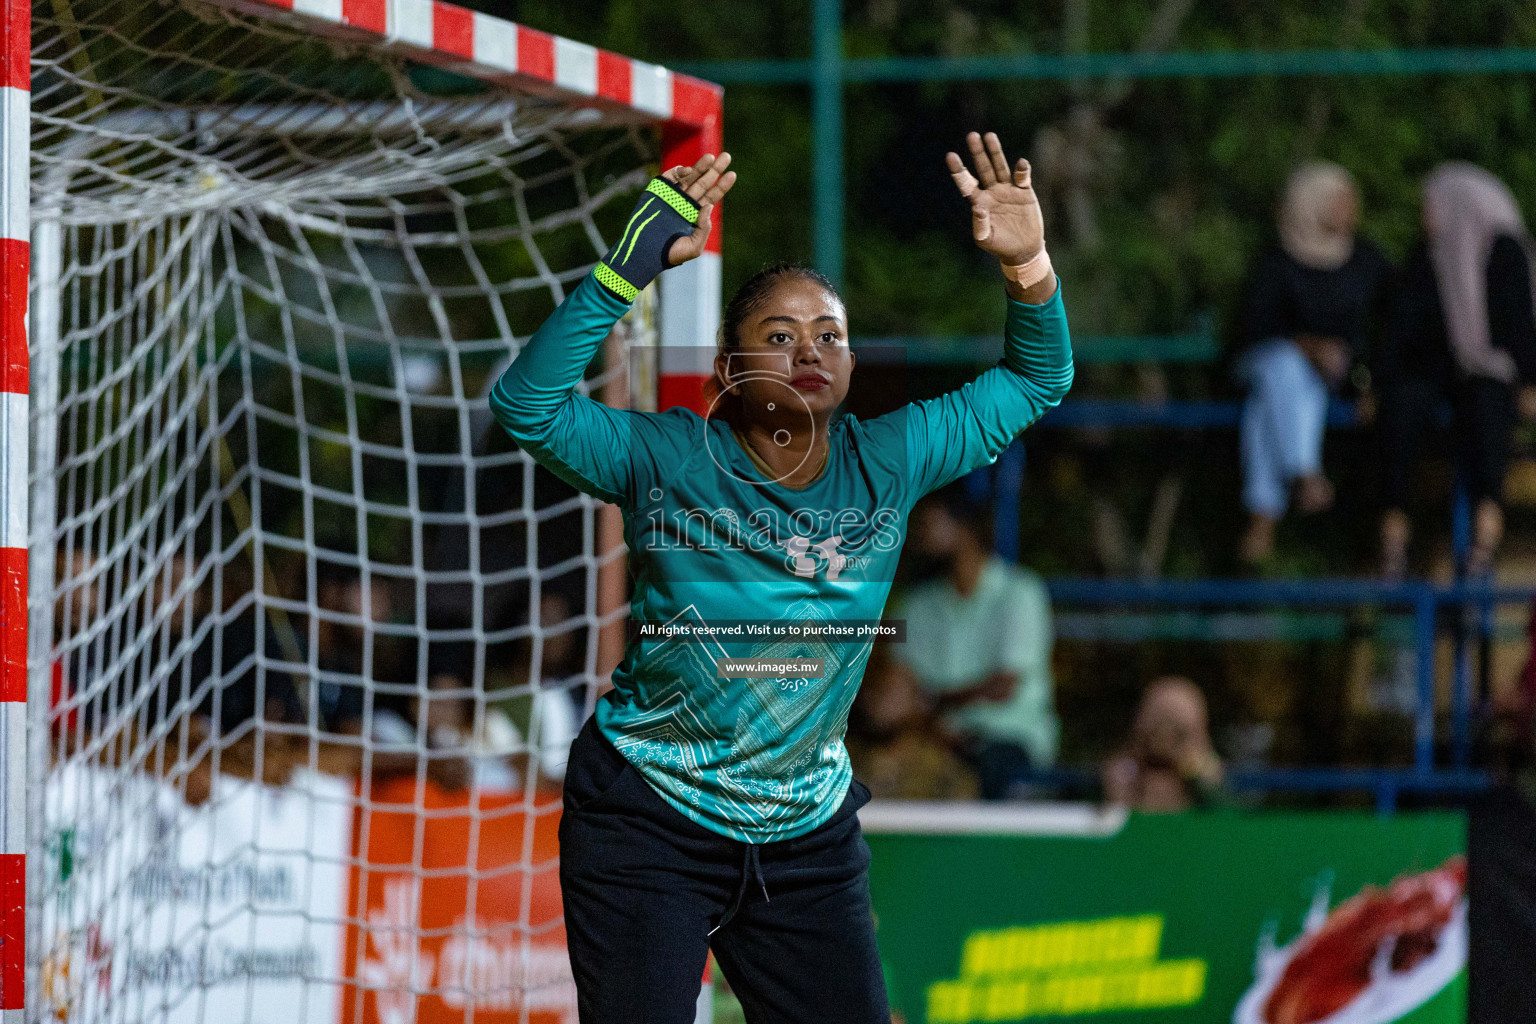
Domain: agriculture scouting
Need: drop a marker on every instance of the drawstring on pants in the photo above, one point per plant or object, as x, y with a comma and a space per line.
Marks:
751, 868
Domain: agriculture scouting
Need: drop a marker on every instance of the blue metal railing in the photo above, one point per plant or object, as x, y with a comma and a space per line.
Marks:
1198, 346
1116, 412
1471, 603
1076, 66
1386, 784
1425, 600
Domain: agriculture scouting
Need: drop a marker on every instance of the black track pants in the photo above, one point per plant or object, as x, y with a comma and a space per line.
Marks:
648, 893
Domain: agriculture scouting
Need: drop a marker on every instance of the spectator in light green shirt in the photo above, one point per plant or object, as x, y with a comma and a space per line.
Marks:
979, 643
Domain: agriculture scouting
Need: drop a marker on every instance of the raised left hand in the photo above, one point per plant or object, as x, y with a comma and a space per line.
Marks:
706, 183
1005, 213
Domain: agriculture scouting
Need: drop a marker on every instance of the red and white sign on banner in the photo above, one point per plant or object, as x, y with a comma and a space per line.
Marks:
458, 907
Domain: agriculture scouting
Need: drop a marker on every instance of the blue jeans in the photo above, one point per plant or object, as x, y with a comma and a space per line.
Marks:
1282, 423
997, 764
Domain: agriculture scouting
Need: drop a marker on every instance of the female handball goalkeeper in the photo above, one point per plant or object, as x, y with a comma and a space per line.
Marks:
706, 809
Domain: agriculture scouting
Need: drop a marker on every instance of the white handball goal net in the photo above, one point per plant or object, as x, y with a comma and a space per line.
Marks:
309, 636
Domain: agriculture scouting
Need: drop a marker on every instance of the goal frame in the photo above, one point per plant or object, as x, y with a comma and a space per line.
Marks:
686, 110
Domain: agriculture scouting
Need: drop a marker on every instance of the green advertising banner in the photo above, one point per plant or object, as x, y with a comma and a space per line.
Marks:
1225, 918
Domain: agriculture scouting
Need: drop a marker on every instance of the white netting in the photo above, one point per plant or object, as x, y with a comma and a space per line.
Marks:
276, 535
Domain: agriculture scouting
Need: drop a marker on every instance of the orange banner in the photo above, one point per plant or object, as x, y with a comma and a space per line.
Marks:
478, 924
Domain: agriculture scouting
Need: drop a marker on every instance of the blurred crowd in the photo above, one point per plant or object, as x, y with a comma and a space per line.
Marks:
349, 686
1440, 349
965, 708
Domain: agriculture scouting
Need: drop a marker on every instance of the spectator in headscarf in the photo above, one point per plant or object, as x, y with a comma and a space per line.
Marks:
1168, 763
1310, 307
1460, 332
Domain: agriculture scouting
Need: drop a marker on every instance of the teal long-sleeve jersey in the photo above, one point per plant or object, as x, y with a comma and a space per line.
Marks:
710, 539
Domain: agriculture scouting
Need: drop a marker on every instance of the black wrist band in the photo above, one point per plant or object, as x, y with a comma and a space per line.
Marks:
664, 214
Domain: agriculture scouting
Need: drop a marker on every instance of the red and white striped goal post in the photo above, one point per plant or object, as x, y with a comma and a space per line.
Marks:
686, 110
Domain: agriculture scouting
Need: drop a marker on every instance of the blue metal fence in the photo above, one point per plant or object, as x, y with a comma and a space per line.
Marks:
1465, 608
1385, 784
828, 71
1116, 412
1472, 603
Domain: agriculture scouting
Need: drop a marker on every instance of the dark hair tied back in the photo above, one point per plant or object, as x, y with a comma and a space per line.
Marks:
749, 298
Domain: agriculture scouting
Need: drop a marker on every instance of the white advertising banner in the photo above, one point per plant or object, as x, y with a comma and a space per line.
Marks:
225, 913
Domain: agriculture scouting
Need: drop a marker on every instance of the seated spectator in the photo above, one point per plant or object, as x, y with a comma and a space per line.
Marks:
76, 591
1460, 332
893, 745
1310, 305
482, 747
348, 646
249, 683
244, 674
355, 658
557, 675
979, 642
538, 694
1169, 763
1512, 728
176, 673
